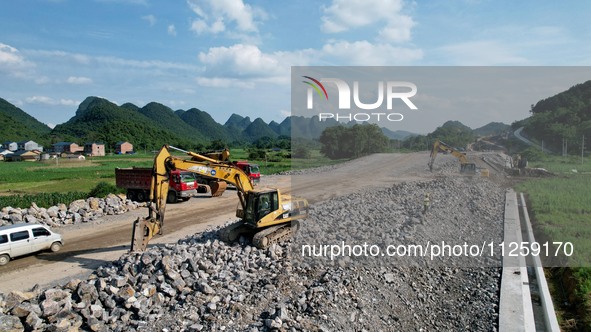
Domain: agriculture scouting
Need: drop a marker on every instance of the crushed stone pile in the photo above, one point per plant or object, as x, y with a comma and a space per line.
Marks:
80, 211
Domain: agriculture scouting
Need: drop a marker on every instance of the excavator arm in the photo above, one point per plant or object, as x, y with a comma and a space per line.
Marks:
465, 165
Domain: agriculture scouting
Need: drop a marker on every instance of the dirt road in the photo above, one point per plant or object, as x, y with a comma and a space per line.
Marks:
91, 245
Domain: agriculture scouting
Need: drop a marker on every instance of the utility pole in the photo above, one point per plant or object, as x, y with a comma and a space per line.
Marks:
582, 149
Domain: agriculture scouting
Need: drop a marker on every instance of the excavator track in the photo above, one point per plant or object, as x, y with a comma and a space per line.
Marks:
275, 234
233, 232
262, 239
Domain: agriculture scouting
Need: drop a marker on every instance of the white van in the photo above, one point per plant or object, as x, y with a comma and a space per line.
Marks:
22, 239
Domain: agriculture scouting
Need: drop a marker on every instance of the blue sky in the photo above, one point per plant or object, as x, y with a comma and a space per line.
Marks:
234, 56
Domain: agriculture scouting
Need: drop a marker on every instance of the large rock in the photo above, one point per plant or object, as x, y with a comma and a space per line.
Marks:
50, 307
78, 205
17, 297
16, 218
10, 324
30, 219
87, 292
25, 308
53, 211
93, 203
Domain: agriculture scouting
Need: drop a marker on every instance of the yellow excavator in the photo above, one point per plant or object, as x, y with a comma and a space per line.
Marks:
465, 166
265, 214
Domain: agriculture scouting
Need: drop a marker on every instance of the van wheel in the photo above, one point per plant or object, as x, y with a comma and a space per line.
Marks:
4, 259
55, 247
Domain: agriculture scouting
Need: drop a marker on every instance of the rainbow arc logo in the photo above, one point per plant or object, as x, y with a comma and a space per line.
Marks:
316, 85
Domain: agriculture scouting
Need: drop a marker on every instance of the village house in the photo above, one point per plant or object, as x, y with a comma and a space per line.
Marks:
29, 146
23, 155
94, 149
123, 147
67, 147
10, 146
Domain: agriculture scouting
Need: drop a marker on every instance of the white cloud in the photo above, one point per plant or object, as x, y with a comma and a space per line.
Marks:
79, 80
224, 82
171, 30
50, 101
42, 80
150, 18
77, 57
364, 53
243, 60
244, 65
216, 16
398, 29
344, 15
482, 53
285, 113
201, 26
13, 62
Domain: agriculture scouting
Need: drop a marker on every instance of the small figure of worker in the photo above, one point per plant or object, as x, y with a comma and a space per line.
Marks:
426, 203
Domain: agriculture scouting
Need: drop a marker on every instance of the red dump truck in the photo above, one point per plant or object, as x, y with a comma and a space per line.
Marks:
252, 170
137, 181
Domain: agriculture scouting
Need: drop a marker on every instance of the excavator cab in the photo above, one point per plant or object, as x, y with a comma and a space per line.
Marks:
468, 168
260, 204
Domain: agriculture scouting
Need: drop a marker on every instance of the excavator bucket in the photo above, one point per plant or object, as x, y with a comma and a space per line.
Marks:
143, 230
217, 188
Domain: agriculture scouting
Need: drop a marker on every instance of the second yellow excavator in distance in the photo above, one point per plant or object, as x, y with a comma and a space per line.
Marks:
265, 214
465, 166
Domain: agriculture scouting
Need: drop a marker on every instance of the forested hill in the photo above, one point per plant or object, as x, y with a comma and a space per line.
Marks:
18, 126
566, 115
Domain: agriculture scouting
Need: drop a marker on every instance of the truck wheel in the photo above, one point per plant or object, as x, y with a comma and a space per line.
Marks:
4, 259
55, 247
131, 195
141, 196
171, 198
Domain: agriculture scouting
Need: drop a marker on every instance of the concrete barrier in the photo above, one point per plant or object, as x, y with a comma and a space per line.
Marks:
546, 300
515, 309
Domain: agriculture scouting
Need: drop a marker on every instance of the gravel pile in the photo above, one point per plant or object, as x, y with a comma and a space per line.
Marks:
79, 211
320, 169
202, 284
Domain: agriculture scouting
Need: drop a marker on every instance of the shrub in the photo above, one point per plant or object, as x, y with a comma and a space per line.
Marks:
44, 200
302, 152
257, 154
102, 189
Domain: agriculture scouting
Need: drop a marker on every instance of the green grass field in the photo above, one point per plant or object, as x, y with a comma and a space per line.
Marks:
63, 175
561, 209
72, 175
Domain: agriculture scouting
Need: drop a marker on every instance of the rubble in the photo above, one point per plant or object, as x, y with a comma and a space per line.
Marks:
80, 211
